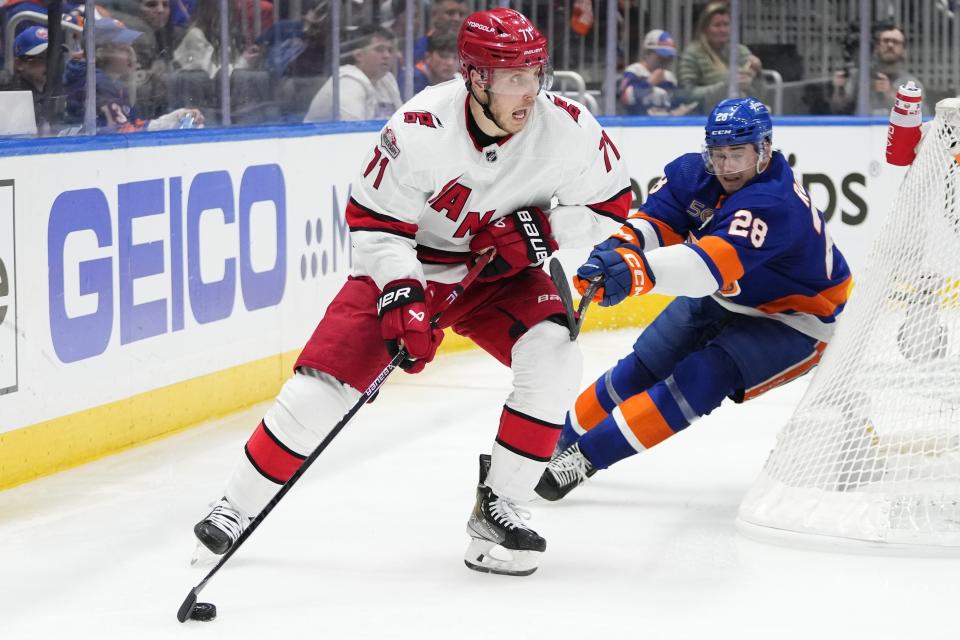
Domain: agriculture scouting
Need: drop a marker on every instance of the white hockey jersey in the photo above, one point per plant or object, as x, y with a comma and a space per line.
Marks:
428, 187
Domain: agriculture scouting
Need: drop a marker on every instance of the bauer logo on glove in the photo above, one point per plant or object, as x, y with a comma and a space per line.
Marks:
521, 239
397, 298
403, 312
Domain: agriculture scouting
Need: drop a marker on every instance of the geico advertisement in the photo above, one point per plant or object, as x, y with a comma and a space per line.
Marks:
156, 265
148, 266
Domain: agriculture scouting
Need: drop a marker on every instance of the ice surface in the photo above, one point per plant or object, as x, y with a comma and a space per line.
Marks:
369, 544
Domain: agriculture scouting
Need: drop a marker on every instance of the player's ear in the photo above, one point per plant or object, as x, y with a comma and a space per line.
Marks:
477, 81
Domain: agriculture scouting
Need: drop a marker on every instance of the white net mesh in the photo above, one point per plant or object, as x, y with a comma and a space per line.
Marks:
872, 453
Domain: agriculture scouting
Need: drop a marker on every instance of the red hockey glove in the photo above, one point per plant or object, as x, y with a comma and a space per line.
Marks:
521, 239
404, 319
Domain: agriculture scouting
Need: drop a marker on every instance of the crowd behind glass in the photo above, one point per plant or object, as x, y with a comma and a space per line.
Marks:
147, 65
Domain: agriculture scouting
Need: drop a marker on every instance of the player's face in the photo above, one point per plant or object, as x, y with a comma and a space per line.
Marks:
734, 166
512, 94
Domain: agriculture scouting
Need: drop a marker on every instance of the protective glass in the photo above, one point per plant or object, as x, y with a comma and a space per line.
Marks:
725, 161
520, 81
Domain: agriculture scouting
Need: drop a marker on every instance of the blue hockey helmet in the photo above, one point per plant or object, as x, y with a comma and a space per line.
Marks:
738, 121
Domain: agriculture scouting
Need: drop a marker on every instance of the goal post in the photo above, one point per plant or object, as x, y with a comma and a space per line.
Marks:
871, 456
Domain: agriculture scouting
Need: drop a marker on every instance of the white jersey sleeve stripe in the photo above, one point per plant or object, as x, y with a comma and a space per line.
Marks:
680, 271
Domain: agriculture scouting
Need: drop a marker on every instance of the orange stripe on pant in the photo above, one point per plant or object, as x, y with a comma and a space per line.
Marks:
270, 457
645, 420
588, 410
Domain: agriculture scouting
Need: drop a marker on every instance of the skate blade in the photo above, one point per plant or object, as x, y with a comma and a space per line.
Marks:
203, 557
486, 556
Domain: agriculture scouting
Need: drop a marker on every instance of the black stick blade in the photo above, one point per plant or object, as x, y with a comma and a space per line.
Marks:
187, 605
584, 304
563, 290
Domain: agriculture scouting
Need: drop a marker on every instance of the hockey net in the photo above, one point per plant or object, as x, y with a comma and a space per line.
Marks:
872, 453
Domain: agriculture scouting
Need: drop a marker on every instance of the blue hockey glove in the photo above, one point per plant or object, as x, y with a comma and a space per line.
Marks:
623, 269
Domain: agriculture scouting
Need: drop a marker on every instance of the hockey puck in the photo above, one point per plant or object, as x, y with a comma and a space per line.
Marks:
203, 611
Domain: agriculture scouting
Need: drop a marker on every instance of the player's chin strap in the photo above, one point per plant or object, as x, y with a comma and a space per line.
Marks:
485, 106
762, 156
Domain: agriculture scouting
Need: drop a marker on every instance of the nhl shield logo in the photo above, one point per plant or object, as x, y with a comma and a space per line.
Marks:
490, 155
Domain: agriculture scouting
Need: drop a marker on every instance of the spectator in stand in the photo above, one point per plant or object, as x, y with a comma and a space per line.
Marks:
396, 21
181, 11
446, 16
154, 51
368, 88
298, 48
199, 50
116, 62
648, 87
703, 65
887, 73
247, 28
30, 68
440, 63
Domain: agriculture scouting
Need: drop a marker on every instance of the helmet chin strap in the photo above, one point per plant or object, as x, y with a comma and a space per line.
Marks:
485, 107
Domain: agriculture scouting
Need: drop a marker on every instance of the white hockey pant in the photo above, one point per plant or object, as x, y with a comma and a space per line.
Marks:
547, 367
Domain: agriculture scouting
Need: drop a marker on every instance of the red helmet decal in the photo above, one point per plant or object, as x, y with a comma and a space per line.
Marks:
499, 39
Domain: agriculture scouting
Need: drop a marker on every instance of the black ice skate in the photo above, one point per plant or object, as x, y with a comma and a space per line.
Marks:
500, 540
567, 471
221, 528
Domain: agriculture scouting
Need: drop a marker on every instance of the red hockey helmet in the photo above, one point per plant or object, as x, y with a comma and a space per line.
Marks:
500, 39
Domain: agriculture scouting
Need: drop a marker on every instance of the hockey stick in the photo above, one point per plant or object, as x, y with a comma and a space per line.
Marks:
574, 319
191, 600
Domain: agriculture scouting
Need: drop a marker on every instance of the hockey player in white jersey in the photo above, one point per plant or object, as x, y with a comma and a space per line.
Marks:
491, 161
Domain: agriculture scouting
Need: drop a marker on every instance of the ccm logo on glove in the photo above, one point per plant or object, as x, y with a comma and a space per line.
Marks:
638, 269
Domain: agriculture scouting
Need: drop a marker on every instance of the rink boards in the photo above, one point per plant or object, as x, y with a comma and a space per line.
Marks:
148, 283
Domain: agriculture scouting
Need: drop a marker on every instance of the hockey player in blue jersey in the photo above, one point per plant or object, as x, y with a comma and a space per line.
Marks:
758, 283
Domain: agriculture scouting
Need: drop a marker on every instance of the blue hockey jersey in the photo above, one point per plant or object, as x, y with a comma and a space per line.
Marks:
766, 245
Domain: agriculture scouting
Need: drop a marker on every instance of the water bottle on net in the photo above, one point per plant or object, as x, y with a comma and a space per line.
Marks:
903, 132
